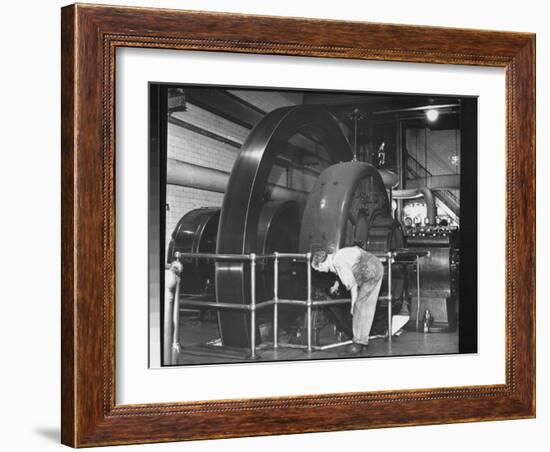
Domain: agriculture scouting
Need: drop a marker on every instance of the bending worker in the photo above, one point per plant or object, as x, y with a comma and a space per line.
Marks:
361, 273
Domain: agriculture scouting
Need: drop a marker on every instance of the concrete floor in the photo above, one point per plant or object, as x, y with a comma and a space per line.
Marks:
199, 346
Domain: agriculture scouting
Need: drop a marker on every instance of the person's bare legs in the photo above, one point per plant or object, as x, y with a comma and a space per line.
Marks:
170, 281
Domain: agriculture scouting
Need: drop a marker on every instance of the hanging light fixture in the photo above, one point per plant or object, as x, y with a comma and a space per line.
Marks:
432, 114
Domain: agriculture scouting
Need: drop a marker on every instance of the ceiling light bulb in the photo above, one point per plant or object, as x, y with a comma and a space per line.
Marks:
432, 115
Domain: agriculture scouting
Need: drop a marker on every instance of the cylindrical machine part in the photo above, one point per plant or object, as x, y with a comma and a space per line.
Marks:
431, 210
196, 232
412, 193
278, 230
406, 193
195, 176
390, 179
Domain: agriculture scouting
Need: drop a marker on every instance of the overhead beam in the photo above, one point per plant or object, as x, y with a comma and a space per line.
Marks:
224, 104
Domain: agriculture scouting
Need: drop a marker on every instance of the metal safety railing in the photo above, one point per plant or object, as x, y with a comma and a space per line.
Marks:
309, 304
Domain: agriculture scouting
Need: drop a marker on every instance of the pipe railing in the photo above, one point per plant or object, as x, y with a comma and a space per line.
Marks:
389, 258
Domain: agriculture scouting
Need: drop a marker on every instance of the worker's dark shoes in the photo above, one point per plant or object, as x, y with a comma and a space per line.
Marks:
353, 349
357, 348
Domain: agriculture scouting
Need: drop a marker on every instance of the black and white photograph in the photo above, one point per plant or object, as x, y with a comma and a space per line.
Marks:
292, 225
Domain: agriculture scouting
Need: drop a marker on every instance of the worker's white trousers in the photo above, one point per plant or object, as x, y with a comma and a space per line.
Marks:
363, 311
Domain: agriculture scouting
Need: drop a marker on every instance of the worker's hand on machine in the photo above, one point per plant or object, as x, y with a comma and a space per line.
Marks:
335, 287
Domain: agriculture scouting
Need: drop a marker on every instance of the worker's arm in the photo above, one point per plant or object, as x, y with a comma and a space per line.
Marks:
346, 275
353, 291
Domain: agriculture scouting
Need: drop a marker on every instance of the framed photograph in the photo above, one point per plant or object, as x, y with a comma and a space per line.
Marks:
281, 225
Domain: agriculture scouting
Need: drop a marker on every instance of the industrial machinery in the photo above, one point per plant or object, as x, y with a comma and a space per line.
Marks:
440, 284
196, 232
246, 195
347, 204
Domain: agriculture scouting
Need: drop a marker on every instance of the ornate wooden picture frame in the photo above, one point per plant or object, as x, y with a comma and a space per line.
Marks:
90, 37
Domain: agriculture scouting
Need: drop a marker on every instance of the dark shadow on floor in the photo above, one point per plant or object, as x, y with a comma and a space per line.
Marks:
50, 433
